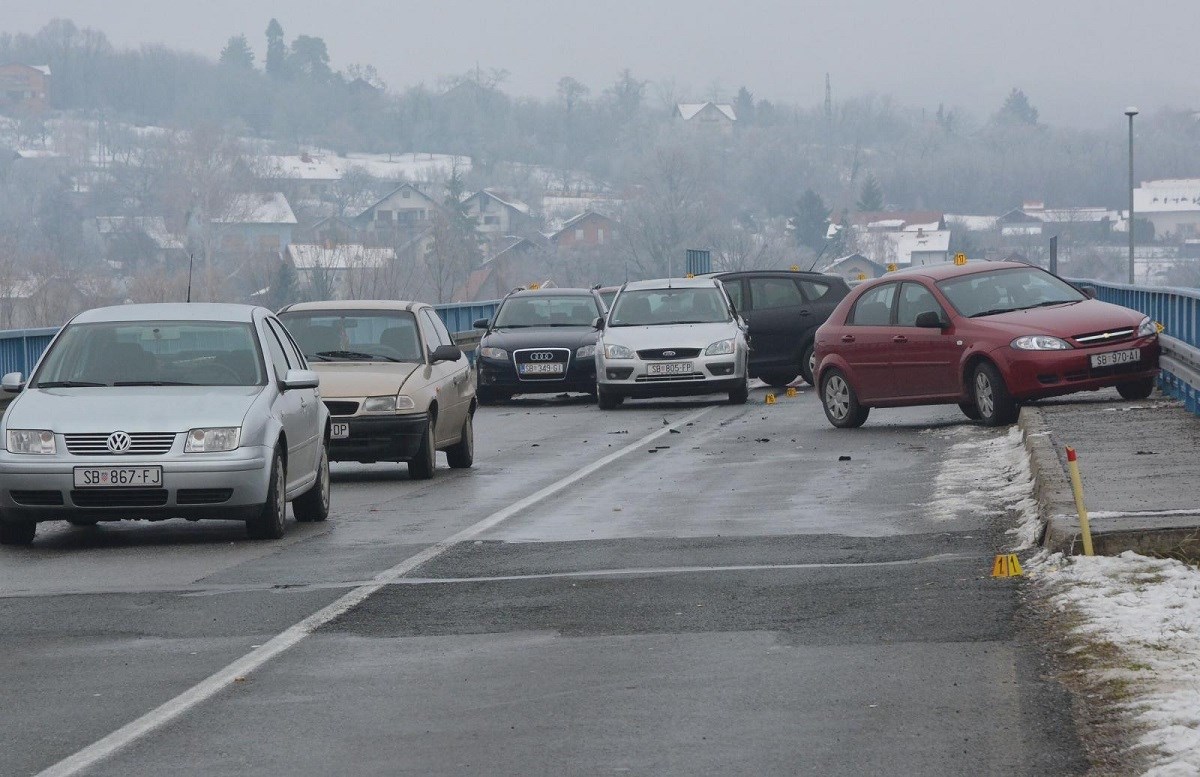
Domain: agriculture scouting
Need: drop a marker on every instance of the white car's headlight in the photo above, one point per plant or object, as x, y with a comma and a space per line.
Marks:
40, 441
1147, 327
585, 352
213, 440
1040, 343
720, 348
493, 353
614, 351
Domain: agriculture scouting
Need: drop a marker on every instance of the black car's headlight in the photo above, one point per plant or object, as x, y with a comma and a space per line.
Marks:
493, 353
585, 351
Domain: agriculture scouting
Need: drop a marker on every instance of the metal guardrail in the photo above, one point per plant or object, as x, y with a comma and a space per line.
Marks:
20, 349
1177, 310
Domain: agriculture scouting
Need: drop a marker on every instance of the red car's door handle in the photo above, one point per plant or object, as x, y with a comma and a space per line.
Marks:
847, 338
899, 339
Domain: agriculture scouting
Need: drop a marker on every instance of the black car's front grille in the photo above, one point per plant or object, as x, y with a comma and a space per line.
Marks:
668, 353
553, 359
145, 443
1105, 337
37, 498
202, 496
337, 407
119, 497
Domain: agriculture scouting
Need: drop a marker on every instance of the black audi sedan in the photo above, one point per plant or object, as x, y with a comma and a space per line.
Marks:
539, 342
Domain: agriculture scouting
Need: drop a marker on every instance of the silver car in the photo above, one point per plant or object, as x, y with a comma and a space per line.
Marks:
163, 411
669, 338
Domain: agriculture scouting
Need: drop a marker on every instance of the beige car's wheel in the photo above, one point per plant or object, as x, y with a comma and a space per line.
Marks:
421, 466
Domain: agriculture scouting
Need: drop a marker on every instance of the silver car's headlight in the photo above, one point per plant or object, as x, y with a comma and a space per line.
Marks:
1147, 327
213, 439
493, 353
614, 351
39, 441
1040, 343
720, 348
585, 352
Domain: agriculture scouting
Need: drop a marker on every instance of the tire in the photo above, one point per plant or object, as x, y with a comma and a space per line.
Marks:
969, 410
606, 400
17, 532
313, 505
995, 405
778, 379
461, 455
269, 523
421, 466
808, 365
1137, 389
739, 395
487, 396
840, 402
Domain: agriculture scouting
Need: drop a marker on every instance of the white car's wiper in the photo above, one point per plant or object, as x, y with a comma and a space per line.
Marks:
69, 384
153, 383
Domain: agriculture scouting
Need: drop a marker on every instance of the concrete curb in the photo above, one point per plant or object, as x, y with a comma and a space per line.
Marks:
1056, 505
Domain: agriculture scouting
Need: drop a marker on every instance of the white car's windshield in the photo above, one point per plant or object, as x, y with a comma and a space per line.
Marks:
1002, 291
152, 353
343, 335
652, 307
557, 310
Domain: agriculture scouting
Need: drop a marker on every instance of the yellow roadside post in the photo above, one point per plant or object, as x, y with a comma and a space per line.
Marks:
1077, 487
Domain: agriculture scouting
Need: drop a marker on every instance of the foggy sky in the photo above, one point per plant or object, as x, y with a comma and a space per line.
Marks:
1080, 61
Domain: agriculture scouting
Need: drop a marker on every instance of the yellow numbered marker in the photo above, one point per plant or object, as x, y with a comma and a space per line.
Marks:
795, 268
535, 286
791, 392
770, 399
1159, 327
960, 258
862, 276
1007, 565
891, 267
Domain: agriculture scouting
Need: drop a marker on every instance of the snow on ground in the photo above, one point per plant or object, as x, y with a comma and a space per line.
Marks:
1148, 611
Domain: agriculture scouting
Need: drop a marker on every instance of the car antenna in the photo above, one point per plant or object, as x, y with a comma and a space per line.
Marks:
191, 259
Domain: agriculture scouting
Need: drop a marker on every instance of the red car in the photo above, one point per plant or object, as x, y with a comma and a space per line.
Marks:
986, 336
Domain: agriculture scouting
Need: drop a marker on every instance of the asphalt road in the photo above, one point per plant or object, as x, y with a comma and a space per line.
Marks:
733, 596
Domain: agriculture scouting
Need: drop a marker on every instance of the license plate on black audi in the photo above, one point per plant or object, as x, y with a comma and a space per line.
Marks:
545, 368
118, 477
1113, 358
669, 368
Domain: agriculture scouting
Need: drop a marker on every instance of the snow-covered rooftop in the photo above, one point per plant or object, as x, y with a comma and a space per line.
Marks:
972, 223
1167, 195
258, 208
689, 110
307, 256
327, 166
154, 227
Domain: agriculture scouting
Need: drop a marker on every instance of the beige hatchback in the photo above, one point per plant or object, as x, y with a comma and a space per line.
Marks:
396, 387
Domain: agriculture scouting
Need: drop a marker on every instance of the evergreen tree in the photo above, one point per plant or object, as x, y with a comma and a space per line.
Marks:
1017, 110
870, 199
276, 62
237, 53
743, 106
810, 220
309, 59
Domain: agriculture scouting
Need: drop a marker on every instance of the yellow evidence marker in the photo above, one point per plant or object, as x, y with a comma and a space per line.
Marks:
791, 392
1007, 565
770, 399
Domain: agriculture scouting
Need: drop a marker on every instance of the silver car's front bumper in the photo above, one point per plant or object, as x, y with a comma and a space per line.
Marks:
202, 485
708, 375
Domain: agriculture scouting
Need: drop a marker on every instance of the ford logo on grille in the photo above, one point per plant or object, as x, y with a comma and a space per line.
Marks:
118, 442
668, 353
541, 356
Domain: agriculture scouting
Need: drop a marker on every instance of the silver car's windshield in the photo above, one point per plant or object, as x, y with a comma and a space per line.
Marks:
355, 335
650, 307
153, 353
1002, 291
557, 310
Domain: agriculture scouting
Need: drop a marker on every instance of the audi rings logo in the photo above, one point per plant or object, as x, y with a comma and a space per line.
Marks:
668, 353
541, 356
118, 442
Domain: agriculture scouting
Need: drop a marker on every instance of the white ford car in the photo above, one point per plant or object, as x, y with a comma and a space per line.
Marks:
669, 338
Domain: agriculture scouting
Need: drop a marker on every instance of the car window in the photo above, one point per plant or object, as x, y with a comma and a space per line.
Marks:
999, 291
682, 305
736, 293
874, 308
768, 293
439, 328
914, 300
295, 360
196, 353
279, 360
547, 310
815, 290
355, 335
429, 332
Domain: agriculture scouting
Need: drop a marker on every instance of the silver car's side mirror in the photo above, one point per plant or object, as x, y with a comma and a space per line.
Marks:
300, 379
13, 382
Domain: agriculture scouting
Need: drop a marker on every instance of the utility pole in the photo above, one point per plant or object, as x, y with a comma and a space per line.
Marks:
1131, 112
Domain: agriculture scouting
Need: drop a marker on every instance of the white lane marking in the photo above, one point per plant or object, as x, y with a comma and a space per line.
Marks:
208, 687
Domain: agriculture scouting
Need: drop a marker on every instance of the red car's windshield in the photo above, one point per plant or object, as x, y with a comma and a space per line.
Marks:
1001, 291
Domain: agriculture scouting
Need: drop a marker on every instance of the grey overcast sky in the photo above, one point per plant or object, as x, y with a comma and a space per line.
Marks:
1080, 61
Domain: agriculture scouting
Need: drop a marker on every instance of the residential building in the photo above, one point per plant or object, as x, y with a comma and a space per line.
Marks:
24, 87
129, 243
496, 216
254, 223
406, 207
715, 118
346, 271
855, 267
1171, 205
587, 230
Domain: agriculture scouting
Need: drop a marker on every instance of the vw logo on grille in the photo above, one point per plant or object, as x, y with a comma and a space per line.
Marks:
541, 356
118, 442
668, 353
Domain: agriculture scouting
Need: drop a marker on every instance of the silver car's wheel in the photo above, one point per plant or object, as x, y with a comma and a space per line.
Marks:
313, 505
269, 523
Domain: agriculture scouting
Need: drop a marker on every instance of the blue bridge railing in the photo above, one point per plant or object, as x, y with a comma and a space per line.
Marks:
1177, 310
21, 348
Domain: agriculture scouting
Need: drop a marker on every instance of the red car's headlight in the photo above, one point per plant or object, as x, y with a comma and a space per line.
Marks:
1040, 343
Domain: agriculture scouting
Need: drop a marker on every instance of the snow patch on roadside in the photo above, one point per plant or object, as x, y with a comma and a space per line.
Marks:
1148, 610
987, 473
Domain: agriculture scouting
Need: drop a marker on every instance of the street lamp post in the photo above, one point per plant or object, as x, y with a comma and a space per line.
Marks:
1131, 112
